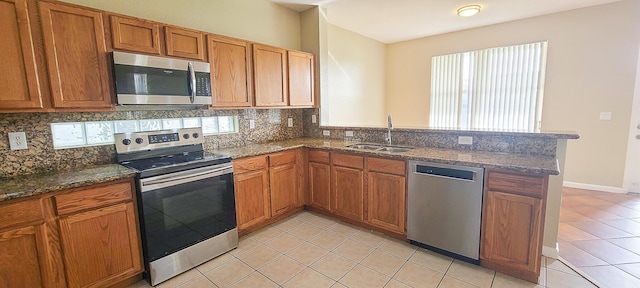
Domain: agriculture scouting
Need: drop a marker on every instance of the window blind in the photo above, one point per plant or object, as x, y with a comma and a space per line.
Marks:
493, 89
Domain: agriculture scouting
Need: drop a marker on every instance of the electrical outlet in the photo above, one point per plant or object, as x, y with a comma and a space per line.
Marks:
465, 140
252, 124
605, 115
17, 140
326, 133
348, 133
314, 118
290, 122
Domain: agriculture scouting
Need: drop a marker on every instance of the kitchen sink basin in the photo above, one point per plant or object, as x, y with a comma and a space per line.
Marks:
365, 146
380, 147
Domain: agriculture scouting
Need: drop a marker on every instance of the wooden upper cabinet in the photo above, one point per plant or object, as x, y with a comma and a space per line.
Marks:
18, 76
184, 43
76, 55
230, 71
136, 35
301, 79
270, 76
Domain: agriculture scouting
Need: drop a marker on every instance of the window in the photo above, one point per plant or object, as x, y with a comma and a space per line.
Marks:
84, 134
491, 89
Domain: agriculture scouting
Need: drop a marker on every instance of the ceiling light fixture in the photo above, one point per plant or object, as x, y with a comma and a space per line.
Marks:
469, 10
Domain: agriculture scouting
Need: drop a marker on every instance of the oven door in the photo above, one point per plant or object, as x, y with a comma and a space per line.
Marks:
184, 208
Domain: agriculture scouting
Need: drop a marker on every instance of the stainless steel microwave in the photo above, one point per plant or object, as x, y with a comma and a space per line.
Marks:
149, 80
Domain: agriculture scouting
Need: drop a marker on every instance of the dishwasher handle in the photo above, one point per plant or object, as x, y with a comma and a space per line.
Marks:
445, 172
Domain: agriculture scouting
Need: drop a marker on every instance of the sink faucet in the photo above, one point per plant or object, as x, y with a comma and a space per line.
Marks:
389, 128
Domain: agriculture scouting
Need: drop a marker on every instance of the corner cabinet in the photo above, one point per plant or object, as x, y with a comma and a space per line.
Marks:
386, 194
230, 62
301, 79
77, 57
19, 74
270, 76
512, 223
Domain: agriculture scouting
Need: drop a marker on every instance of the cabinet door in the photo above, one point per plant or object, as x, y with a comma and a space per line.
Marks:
100, 246
76, 55
18, 76
230, 72
348, 192
319, 185
252, 198
284, 191
135, 35
270, 76
301, 79
184, 43
512, 230
386, 201
20, 248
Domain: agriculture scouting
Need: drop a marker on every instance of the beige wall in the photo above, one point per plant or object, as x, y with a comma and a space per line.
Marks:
591, 68
257, 20
356, 80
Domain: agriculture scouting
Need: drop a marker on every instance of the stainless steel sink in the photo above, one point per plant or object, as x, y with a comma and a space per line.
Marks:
394, 149
365, 146
379, 147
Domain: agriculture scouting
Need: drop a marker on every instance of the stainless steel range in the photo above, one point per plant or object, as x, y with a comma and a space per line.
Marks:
185, 199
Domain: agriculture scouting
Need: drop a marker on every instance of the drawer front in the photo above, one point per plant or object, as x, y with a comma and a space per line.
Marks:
319, 156
93, 197
529, 185
282, 158
345, 160
250, 164
386, 165
20, 212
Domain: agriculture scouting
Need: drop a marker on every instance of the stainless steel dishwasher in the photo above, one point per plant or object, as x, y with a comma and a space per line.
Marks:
445, 207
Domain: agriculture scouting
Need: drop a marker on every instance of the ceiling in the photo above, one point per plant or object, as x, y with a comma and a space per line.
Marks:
390, 21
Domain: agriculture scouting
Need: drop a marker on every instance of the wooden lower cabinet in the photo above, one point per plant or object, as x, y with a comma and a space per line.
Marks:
100, 246
283, 186
251, 191
347, 186
512, 223
386, 201
84, 237
319, 185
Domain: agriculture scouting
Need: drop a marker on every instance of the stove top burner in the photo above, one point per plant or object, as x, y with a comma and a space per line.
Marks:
175, 162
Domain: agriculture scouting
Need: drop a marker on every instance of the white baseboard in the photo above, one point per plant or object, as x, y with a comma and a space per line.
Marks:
594, 187
551, 252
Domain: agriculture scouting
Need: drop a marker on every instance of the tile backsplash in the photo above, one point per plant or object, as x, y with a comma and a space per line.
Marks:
40, 156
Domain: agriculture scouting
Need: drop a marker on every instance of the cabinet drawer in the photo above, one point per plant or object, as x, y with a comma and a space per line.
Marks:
529, 185
250, 164
282, 158
386, 165
319, 156
93, 197
21, 212
344, 160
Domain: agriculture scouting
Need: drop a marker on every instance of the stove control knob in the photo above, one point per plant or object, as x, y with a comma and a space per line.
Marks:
139, 140
126, 141
196, 135
185, 135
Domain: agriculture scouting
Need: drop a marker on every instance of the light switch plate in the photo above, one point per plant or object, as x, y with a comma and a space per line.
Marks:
252, 124
314, 118
605, 115
348, 133
17, 140
290, 122
326, 133
465, 140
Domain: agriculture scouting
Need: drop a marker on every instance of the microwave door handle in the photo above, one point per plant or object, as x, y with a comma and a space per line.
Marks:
191, 77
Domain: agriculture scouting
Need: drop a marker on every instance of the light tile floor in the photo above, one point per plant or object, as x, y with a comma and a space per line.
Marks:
599, 234
309, 250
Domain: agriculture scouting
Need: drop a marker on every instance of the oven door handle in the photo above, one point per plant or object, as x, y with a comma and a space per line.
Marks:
186, 176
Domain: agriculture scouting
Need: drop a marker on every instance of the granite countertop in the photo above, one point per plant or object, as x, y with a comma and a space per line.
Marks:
516, 162
36, 184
